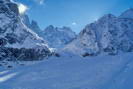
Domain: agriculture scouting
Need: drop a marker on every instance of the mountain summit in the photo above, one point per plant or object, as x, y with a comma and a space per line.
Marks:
17, 41
127, 14
58, 37
110, 34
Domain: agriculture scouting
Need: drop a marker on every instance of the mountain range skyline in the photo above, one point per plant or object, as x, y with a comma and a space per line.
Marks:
72, 13
57, 57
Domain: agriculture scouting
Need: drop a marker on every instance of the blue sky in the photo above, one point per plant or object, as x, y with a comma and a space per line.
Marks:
73, 13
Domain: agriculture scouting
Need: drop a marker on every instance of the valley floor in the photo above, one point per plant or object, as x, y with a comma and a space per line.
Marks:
101, 72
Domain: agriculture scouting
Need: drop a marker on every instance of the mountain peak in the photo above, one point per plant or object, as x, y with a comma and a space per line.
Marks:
107, 16
107, 35
33, 22
127, 14
58, 37
128, 10
65, 27
34, 25
16, 38
25, 19
50, 27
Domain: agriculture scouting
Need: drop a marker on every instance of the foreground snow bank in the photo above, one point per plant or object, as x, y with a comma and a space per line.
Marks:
101, 72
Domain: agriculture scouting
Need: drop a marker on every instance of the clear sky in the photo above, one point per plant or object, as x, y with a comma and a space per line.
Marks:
73, 13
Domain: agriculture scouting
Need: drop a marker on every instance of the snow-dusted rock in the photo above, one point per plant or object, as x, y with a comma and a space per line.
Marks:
34, 26
58, 37
25, 19
16, 40
110, 34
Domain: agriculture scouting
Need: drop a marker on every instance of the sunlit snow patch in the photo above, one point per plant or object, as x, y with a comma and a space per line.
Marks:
7, 77
3, 72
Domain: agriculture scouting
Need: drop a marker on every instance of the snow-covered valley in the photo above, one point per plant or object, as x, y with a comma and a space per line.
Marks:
99, 57
101, 72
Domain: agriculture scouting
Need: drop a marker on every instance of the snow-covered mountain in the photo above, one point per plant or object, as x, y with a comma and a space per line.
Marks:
33, 25
127, 14
25, 19
58, 37
110, 34
17, 41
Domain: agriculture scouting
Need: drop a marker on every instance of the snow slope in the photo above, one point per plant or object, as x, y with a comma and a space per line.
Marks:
101, 72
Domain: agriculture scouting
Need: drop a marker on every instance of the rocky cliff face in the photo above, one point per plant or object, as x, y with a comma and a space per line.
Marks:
17, 42
110, 34
25, 19
33, 25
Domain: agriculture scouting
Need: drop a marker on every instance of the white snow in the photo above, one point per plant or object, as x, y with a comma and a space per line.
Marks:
58, 37
73, 71
101, 72
109, 34
3, 72
7, 77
